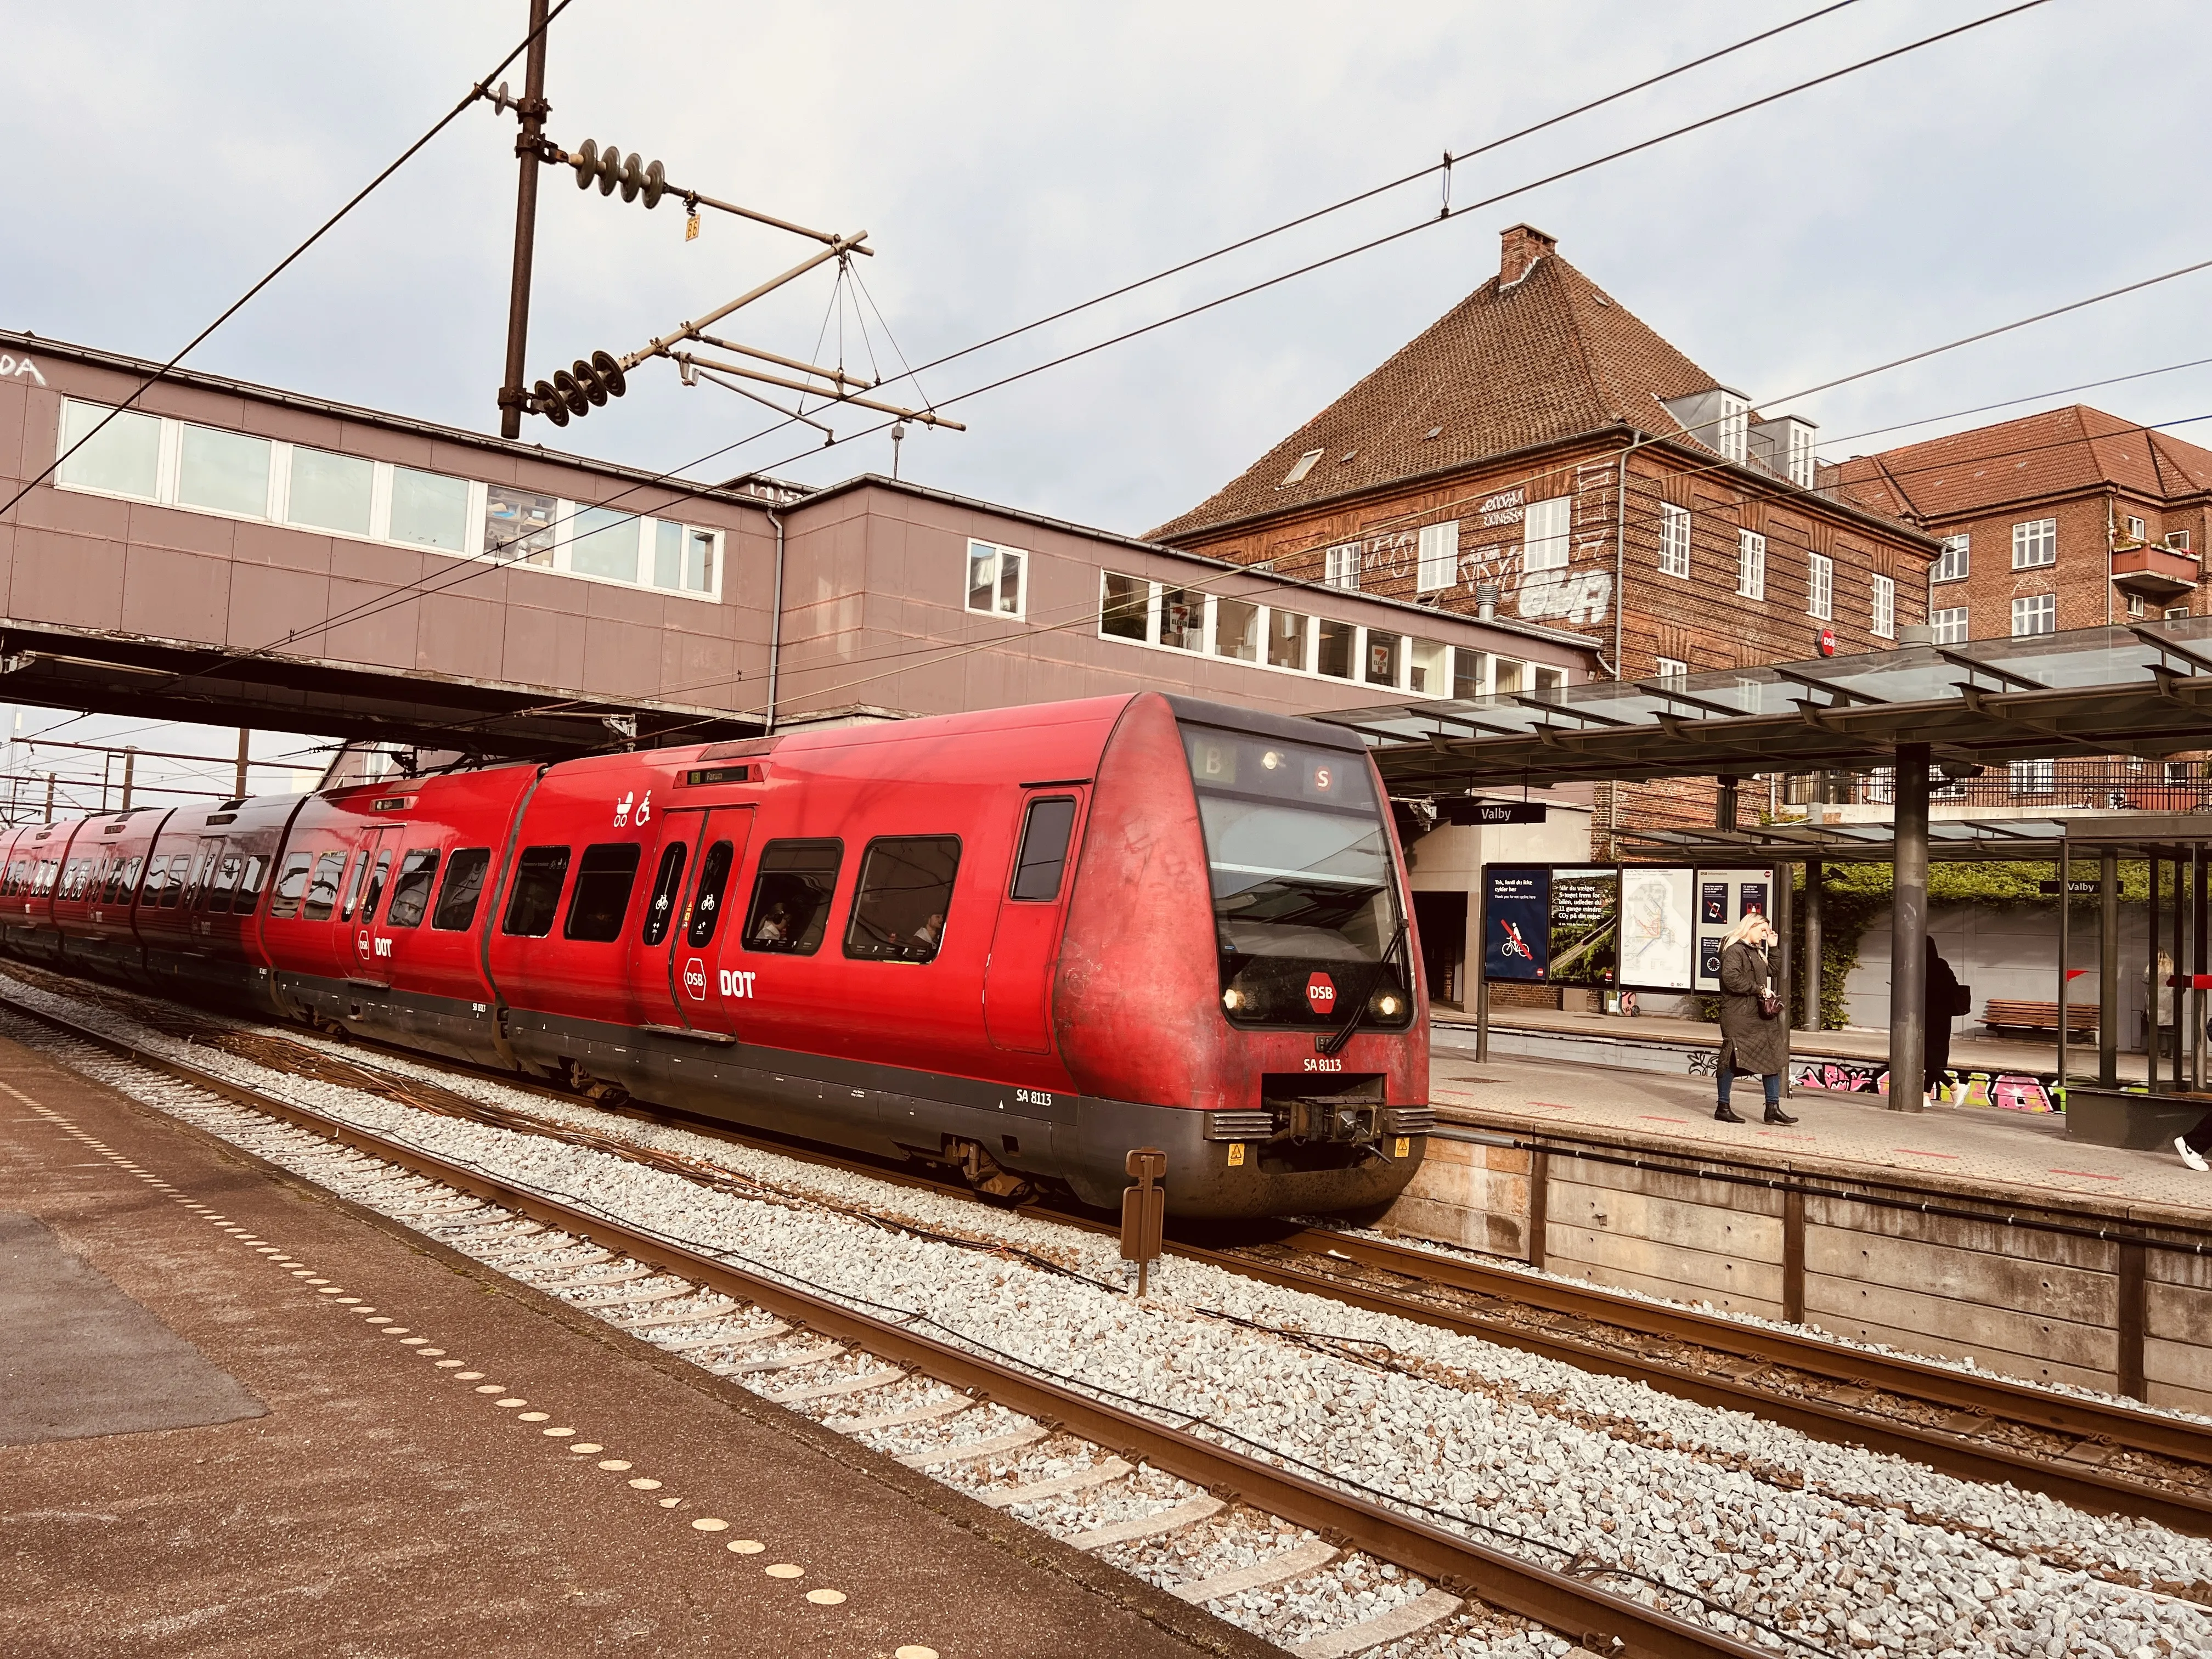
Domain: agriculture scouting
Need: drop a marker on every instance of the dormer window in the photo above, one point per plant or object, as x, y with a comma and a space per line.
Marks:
1303, 466
1732, 432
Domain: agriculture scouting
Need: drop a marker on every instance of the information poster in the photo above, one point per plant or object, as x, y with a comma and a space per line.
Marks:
1658, 935
1516, 921
1724, 898
1585, 924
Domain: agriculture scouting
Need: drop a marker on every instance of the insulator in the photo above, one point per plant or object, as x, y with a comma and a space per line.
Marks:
610, 373
564, 384
586, 163
610, 161
633, 176
549, 403
656, 182
587, 380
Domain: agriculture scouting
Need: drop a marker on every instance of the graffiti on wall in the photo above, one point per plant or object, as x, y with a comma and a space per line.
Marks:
2012, 1091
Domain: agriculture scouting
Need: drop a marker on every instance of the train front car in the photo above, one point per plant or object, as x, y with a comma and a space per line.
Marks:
1239, 983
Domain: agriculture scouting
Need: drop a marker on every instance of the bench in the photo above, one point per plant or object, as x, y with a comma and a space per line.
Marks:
2000, 1015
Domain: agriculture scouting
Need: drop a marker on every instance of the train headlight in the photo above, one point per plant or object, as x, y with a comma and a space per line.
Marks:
1232, 999
1271, 759
1386, 1005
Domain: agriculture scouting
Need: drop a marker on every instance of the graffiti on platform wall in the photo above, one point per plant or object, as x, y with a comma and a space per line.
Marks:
2012, 1091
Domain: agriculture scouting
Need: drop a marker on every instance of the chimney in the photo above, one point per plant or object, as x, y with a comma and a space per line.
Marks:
1520, 247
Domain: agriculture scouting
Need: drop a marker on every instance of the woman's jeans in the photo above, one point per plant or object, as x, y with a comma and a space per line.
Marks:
1773, 1079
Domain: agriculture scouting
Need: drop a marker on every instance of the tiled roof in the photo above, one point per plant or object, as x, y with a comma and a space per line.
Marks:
1550, 356
2060, 450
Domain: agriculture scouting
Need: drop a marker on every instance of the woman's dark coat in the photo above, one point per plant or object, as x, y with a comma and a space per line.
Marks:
1748, 1042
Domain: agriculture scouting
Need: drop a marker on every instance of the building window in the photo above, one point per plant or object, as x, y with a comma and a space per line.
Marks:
1950, 626
2178, 540
2035, 543
1951, 563
2134, 529
1751, 564
1674, 539
1673, 668
1439, 561
1801, 461
1733, 435
2136, 608
997, 579
1885, 607
223, 471
1123, 604
2034, 777
1340, 565
1820, 587
1470, 669
1549, 682
1288, 634
338, 492
1505, 677
1334, 657
1303, 465
1383, 653
1544, 528
124, 460
1427, 677
2035, 613
431, 510
2175, 613
605, 543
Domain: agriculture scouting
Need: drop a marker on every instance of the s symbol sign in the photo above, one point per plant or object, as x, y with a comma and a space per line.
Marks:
1321, 995
694, 979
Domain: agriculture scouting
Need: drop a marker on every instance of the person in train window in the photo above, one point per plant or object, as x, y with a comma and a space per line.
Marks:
774, 927
927, 935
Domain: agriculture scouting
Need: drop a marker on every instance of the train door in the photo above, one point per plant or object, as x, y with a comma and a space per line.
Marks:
205, 858
695, 879
364, 952
1025, 944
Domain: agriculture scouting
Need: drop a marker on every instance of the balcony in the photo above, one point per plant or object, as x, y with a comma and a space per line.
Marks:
2158, 575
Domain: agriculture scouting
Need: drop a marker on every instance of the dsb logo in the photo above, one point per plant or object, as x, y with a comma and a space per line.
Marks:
1321, 994
695, 980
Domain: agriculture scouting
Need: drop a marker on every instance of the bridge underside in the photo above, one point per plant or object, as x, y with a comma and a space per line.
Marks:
151, 679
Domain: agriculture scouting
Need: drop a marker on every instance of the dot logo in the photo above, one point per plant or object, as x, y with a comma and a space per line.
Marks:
1321, 995
694, 979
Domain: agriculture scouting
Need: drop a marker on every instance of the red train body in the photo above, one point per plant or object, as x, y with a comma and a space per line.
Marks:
1022, 942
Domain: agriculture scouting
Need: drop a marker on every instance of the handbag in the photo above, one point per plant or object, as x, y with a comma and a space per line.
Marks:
1769, 1006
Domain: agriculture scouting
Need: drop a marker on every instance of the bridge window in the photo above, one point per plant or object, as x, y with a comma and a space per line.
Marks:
223, 471
429, 511
683, 558
518, 526
124, 460
997, 579
606, 544
465, 879
539, 874
604, 878
332, 492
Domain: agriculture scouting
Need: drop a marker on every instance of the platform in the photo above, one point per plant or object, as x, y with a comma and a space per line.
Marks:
1963, 1232
201, 1452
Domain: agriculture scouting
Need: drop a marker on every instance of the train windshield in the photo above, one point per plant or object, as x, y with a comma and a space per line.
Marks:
1300, 870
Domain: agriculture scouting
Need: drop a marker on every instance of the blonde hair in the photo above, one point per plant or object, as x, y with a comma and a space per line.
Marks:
1741, 931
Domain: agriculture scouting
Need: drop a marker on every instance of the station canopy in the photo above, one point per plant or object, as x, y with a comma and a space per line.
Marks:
1950, 840
2142, 690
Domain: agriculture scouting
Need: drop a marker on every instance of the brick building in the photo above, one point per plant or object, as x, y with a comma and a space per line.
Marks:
2071, 518
1541, 449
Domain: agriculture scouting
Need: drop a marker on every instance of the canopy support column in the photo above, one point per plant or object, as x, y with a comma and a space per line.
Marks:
2197, 919
1908, 934
2108, 968
1814, 978
1785, 948
2065, 957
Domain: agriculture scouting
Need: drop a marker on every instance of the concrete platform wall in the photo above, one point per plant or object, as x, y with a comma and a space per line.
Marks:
2034, 1303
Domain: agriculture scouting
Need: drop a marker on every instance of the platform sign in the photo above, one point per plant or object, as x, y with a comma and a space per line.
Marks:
1585, 924
1658, 928
1724, 898
1517, 922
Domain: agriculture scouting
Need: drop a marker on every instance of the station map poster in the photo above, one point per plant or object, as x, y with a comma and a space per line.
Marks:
1516, 921
1739, 892
1658, 931
1585, 924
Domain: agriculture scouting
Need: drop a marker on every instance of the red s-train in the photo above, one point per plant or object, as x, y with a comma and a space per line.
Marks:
1023, 942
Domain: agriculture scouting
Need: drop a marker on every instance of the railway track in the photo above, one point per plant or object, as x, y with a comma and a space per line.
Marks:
1461, 1573
2104, 1458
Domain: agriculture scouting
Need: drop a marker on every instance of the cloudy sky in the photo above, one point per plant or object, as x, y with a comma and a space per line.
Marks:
1010, 161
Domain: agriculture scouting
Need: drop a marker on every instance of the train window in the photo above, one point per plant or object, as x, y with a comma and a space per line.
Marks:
604, 876
157, 875
323, 888
359, 874
248, 896
410, 894
667, 888
790, 896
906, 887
536, 900
376, 886
1044, 848
706, 897
125, 878
225, 882
290, 886
465, 879
175, 890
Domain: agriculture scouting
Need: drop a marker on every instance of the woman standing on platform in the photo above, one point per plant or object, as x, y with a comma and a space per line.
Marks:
1753, 1037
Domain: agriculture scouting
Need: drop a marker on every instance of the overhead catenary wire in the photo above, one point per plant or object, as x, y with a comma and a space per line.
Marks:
673, 481
289, 259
